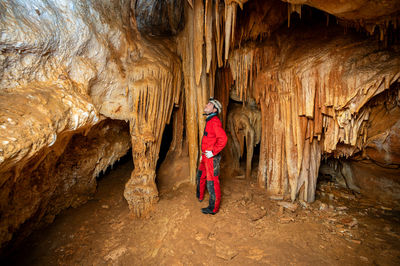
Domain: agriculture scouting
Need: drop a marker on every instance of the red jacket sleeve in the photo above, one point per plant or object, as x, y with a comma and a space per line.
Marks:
221, 138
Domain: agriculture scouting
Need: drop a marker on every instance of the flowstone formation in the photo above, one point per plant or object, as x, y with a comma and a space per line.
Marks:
73, 74
312, 83
244, 125
313, 103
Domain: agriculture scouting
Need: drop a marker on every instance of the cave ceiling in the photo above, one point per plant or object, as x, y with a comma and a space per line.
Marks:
354, 10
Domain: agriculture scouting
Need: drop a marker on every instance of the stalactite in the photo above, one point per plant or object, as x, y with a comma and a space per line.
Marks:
208, 23
153, 90
228, 28
309, 106
224, 82
245, 64
202, 98
218, 31
213, 73
293, 8
190, 2
234, 12
178, 125
185, 48
230, 15
200, 61
198, 37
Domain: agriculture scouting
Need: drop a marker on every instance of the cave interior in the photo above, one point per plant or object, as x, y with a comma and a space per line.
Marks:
310, 91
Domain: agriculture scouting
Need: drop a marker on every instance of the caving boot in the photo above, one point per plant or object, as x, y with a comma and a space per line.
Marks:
208, 210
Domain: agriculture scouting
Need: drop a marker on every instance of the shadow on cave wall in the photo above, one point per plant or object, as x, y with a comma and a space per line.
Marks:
373, 171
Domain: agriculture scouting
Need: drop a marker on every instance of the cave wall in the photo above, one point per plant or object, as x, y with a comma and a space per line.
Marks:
314, 101
65, 66
376, 169
58, 177
313, 84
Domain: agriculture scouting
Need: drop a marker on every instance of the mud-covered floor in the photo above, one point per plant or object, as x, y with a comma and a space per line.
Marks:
340, 228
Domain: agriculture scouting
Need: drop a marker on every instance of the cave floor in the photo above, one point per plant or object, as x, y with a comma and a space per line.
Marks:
250, 229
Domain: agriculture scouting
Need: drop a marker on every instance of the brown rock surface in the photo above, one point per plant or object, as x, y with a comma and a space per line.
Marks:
359, 9
63, 65
178, 233
313, 99
58, 177
68, 67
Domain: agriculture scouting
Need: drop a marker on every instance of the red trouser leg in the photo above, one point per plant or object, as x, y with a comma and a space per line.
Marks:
213, 187
201, 180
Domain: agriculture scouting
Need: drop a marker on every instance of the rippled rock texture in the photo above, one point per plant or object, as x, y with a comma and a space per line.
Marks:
317, 97
66, 66
58, 177
83, 81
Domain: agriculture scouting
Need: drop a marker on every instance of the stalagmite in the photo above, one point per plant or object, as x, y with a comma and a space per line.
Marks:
244, 125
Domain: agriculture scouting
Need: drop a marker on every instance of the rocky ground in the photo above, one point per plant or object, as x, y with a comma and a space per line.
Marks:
340, 228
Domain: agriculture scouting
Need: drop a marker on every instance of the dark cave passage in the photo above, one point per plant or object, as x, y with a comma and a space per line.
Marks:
86, 226
123, 160
165, 144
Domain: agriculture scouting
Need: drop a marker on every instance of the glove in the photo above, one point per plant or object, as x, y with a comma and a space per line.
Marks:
209, 154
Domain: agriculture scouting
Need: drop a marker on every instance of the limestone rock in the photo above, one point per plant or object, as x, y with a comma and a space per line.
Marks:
68, 66
225, 252
160, 17
65, 66
58, 177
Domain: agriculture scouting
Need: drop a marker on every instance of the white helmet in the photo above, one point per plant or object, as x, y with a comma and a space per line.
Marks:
216, 104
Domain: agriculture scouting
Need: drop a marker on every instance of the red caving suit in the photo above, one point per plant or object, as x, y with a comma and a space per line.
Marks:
214, 139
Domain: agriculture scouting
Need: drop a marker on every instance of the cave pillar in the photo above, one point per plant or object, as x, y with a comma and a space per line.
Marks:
272, 172
141, 191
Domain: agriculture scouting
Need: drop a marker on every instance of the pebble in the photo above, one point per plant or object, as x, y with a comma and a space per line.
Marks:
105, 206
280, 212
288, 205
276, 197
323, 206
304, 204
286, 220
